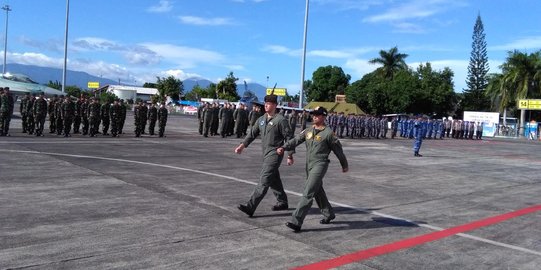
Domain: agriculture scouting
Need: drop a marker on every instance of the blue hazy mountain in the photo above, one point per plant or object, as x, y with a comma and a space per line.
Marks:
43, 75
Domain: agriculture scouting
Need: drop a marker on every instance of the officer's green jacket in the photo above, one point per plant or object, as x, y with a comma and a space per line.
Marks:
319, 144
274, 132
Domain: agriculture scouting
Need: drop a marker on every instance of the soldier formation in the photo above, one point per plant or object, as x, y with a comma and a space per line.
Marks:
84, 115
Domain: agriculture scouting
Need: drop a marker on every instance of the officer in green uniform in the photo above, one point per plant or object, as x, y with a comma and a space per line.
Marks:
30, 121
68, 113
94, 117
320, 141
274, 130
23, 110
152, 118
162, 119
116, 114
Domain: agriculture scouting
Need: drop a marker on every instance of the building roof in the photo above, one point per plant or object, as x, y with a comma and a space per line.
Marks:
139, 90
346, 108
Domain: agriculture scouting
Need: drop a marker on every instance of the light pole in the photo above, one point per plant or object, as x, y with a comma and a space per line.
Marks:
7, 9
304, 53
64, 70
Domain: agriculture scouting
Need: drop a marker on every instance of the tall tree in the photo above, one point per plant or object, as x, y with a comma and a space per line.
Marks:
227, 88
391, 62
169, 86
474, 97
522, 72
326, 83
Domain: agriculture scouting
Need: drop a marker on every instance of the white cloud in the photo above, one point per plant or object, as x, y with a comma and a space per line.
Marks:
163, 6
336, 54
37, 59
235, 67
350, 4
205, 21
519, 44
179, 74
279, 49
360, 67
185, 57
96, 44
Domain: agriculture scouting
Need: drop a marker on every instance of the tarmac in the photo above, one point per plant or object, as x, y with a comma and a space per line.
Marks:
171, 203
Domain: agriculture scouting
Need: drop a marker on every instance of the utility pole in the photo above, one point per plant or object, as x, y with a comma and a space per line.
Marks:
7, 9
64, 70
303, 54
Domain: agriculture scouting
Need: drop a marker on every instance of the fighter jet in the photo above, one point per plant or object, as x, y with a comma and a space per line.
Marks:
21, 84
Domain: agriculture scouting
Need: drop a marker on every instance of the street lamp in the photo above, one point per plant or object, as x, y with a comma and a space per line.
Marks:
7, 9
64, 70
303, 54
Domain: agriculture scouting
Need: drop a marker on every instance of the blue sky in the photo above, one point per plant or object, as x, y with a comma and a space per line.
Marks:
135, 41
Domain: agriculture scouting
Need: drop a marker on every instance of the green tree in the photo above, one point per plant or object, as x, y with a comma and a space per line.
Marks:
107, 97
56, 85
474, 96
227, 88
391, 62
326, 83
522, 73
169, 86
150, 85
73, 90
500, 95
199, 92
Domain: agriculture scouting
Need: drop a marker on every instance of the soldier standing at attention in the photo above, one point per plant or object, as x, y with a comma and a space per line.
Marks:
116, 114
40, 113
51, 111
207, 118
215, 121
200, 118
304, 119
84, 115
138, 118
94, 117
162, 119
58, 116
30, 121
122, 116
224, 120
23, 110
320, 141
105, 117
274, 130
419, 128
78, 114
68, 113
144, 117
4, 111
152, 118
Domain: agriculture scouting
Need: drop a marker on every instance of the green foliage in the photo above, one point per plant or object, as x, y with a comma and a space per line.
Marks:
474, 96
107, 97
227, 88
56, 85
423, 91
169, 86
326, 83
520, 79
199, 92
150, 85
72, 90
391, 62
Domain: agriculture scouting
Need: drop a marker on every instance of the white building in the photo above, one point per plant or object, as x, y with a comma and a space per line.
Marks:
130, 92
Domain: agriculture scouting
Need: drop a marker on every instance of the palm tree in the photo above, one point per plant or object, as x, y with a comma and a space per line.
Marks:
391, 62
522, 72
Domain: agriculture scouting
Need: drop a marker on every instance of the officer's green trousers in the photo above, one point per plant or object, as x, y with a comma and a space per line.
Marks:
269, 178
313, 190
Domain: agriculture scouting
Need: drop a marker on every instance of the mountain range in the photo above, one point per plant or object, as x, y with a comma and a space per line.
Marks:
43, 75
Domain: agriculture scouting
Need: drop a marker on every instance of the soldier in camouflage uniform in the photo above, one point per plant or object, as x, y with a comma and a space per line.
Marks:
207, 118
144, 117
51, 112
84, 115
94, 117
122, 116
59, 126
152, 118
162, 119
274, 130
320, 141
68, 113
105, 117
23, 110
30, 121
116, 115
138, 118
224, 120
4, 110
40, 113
78, 114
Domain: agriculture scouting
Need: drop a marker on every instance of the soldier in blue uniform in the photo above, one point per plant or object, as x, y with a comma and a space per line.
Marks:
419, 129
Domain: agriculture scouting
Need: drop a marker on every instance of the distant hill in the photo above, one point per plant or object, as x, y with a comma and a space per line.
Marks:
43, 75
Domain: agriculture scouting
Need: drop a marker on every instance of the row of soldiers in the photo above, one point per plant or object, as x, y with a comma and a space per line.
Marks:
83, 116
229, 119
142, 114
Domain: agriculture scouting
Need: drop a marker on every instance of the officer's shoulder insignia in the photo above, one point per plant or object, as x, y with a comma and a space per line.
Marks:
317, 138
262, 123
309, 135
271, 123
